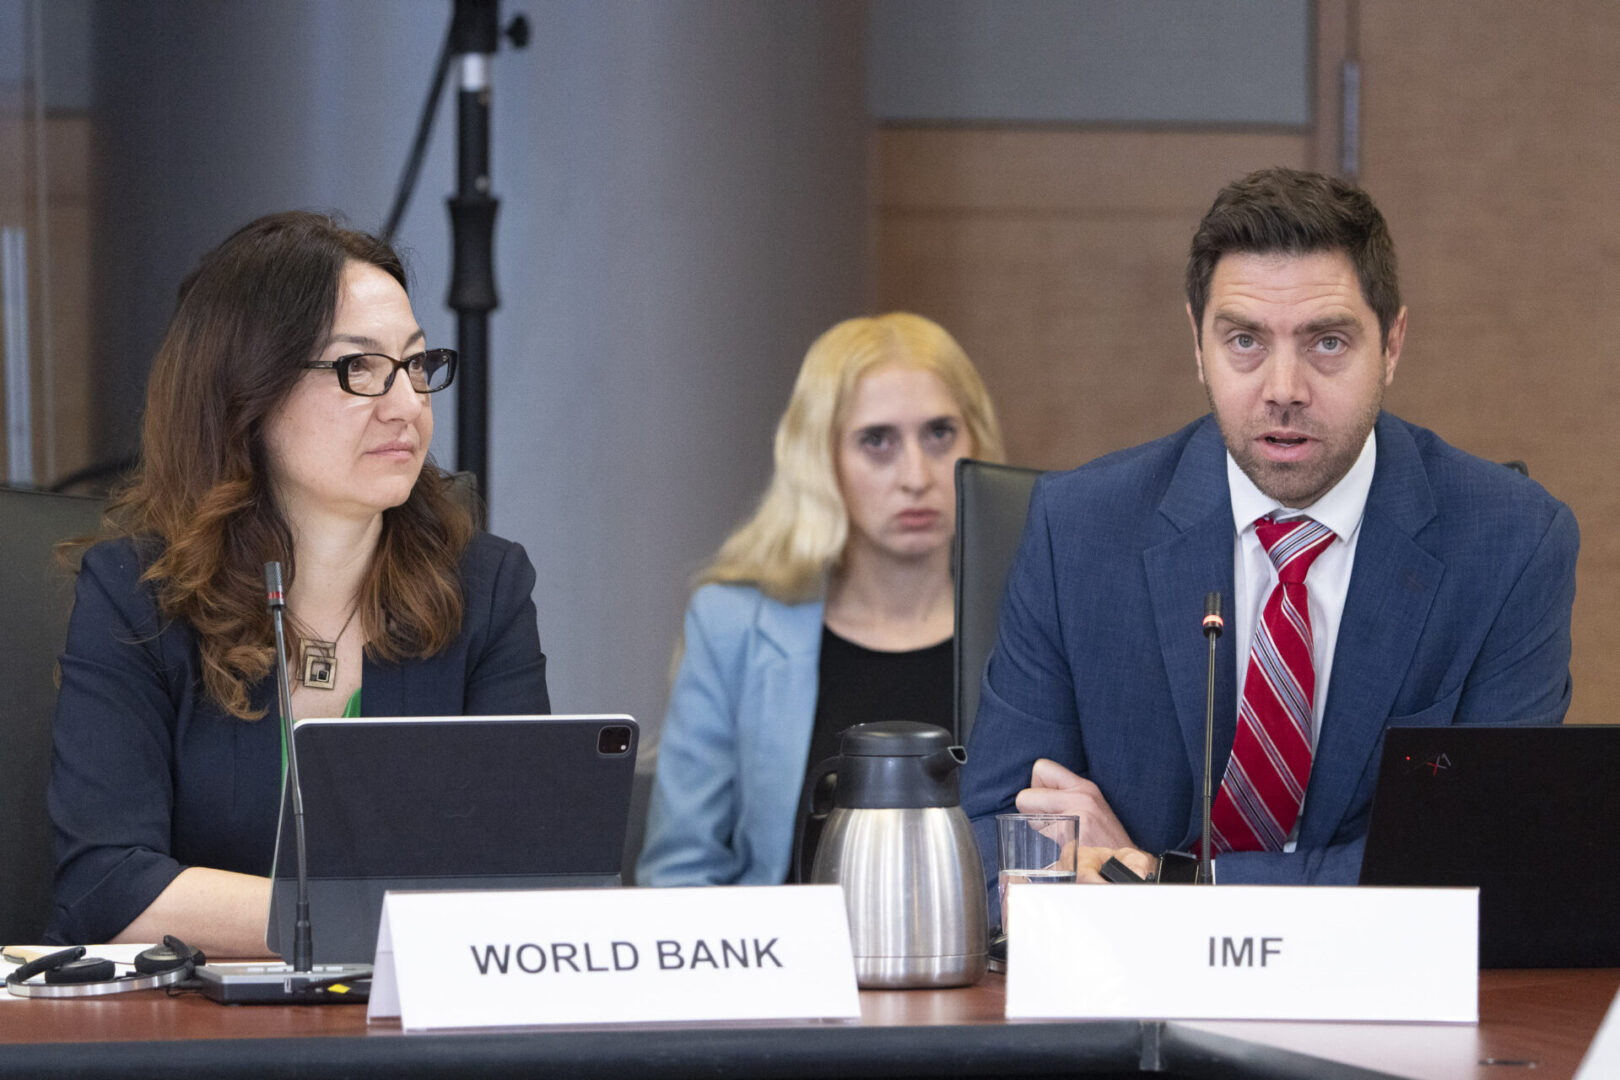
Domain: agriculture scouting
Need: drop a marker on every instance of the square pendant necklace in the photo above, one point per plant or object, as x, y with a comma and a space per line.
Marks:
320, 657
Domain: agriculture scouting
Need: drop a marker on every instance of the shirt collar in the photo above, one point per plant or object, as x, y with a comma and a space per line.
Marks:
1340, 509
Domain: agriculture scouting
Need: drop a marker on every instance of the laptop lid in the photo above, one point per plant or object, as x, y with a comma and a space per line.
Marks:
1530, 815
478, 802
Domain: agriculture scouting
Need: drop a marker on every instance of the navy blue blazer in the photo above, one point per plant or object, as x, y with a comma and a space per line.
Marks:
149, 776
1458, 612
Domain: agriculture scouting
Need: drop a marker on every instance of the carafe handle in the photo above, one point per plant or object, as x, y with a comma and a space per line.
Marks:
806, 804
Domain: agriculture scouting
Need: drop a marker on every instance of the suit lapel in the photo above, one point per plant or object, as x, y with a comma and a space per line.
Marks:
1392, 588
1189, 556
789, 674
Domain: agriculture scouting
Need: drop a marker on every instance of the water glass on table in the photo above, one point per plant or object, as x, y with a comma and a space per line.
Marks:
1035, 848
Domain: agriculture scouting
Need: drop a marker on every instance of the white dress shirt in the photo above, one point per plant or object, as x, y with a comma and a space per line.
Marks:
1328, 582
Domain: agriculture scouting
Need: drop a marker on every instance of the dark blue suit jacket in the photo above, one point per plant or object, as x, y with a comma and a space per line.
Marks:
149, 776
1458, 613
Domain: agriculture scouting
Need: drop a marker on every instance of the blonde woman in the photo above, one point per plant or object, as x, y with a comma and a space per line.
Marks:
831, 606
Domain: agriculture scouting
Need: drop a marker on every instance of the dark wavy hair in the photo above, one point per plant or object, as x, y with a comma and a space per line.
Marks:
252, 313
1297, 213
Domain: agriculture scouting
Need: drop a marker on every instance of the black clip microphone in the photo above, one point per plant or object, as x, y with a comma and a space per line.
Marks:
1213, 625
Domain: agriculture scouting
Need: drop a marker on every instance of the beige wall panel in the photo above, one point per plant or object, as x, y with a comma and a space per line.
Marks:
1334, 30
1076, 324
1083, 173
58, 280
1057, 258
1492, 143
14, 191
68, 156
67, 181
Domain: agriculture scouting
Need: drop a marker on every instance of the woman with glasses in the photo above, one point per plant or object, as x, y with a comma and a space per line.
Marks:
831, 606
288, 418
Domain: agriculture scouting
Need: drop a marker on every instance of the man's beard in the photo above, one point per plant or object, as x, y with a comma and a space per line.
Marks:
1298, 484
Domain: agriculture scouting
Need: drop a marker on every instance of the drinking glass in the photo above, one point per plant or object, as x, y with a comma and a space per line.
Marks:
1038, 849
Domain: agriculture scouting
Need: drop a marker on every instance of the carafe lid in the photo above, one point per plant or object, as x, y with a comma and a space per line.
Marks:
893, 738
897, 764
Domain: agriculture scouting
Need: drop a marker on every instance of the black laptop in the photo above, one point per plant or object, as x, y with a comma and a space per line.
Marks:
509, 802
1530, 815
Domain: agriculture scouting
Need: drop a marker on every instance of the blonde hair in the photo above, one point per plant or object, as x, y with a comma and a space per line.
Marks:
799, 529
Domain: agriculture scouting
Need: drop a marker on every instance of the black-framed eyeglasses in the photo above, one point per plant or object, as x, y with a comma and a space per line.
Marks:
372, 374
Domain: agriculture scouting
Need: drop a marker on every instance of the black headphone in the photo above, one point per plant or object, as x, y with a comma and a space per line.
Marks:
70, 974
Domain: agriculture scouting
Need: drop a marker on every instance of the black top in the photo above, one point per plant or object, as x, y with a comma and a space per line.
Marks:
858, 685
150, 776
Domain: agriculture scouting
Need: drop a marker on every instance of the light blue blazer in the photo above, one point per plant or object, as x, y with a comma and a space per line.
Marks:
734, 746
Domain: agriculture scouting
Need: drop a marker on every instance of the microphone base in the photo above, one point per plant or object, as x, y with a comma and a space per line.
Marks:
279, 984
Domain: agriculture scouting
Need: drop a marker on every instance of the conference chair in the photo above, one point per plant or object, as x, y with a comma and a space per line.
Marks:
991, 504
36, 596
464, 493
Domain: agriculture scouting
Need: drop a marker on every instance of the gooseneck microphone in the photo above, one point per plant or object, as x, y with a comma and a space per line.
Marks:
304, 982
303, 938
1213, 625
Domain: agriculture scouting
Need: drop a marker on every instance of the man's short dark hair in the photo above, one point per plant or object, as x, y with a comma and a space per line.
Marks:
1297, 213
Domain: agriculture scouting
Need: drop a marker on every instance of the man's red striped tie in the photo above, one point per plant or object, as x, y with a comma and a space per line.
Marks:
1270, 764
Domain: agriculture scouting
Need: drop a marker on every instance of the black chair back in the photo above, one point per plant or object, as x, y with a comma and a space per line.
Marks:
464, 491
36, 596
991, 504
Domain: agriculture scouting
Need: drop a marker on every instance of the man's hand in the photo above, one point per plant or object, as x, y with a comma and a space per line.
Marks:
1055, 790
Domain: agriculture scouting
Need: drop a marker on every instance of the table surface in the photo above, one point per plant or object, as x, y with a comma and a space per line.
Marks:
1533, 1024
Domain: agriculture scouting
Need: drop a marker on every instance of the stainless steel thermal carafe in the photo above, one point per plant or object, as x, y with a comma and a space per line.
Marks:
900, 845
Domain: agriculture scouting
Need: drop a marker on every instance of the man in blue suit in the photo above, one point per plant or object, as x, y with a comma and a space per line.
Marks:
1441, 596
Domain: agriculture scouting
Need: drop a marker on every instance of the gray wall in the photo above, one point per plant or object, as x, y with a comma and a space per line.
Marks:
688, 210
683, 209
211, 112
1092, 61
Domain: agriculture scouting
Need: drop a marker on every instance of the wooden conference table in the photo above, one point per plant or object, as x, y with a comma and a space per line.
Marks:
1534, 1025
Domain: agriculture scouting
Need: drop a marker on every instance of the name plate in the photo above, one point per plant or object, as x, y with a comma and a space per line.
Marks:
1243, 952
598, 956
1603, 1056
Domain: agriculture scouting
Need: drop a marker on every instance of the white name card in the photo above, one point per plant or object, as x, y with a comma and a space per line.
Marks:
1243, 952
597, 956
1603, 1056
